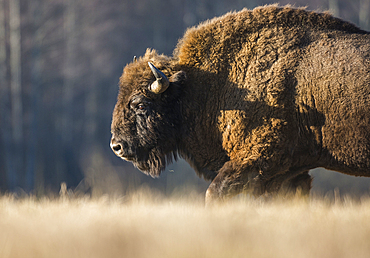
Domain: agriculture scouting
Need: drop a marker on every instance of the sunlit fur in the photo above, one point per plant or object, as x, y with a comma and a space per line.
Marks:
260, 98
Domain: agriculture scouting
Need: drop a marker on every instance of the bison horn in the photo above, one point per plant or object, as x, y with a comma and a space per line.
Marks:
134, 59
161, 83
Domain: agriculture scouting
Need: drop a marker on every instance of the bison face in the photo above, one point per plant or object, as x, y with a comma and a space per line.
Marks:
146, 120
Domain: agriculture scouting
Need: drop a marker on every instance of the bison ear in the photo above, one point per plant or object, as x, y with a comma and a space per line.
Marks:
179, 78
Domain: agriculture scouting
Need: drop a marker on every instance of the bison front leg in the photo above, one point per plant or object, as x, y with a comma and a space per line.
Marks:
299, 184
290, 183
230, 181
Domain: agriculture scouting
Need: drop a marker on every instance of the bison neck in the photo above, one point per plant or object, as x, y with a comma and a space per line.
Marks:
201, 141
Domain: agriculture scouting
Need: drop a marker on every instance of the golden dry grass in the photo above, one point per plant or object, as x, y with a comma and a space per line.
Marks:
143, 226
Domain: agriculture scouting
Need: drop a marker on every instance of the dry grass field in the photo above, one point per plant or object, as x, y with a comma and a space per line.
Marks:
145, 226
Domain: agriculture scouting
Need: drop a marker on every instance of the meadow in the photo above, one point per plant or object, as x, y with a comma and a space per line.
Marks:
146, 225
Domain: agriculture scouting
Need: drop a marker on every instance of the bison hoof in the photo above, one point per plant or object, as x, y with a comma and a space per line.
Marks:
212, 197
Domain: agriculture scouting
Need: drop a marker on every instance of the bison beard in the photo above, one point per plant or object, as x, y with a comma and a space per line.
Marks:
151, 160
252, 100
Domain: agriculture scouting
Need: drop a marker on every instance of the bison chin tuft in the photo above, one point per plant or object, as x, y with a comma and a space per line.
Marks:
155, 164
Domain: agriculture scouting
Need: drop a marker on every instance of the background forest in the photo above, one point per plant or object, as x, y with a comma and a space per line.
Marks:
60, 61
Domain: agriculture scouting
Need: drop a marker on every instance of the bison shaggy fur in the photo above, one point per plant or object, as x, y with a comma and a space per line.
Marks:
254, 99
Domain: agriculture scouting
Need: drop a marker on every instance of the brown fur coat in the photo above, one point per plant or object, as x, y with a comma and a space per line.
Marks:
269, 94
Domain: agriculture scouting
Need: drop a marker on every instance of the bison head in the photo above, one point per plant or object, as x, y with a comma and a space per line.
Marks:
146, 122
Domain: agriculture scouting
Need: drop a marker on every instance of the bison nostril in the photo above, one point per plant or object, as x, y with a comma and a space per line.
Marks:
116, 147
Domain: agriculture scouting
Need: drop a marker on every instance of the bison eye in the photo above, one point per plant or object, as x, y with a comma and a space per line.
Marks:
141, 106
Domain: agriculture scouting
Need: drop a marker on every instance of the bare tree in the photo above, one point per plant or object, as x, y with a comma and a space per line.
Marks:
334, 7
2, 43
16, 92
69, 66
66, 128
4, 137
33, 174
364, 14
91, 105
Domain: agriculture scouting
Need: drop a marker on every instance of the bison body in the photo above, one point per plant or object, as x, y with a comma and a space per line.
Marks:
252, 100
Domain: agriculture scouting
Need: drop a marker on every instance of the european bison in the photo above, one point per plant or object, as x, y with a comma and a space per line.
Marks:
252, 100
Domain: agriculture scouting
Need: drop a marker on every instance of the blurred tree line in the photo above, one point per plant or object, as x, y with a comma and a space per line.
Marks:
60, 61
